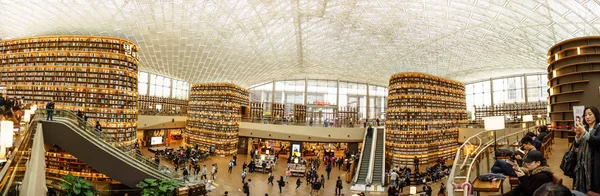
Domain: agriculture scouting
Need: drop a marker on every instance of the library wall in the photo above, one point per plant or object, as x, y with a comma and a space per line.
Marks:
574, 79
97, 75
168, 106
423, 118
214, 114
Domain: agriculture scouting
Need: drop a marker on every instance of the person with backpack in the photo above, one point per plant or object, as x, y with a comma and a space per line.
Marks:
338, 186
270, 179
316, 186
281, 183
246, 187
230, 166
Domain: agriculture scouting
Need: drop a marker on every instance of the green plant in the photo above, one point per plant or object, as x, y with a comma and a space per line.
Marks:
74, 186
154, 187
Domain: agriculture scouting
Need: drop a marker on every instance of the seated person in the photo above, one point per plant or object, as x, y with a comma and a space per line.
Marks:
556, 190
504, 167
543, 133
533, 175
536, 142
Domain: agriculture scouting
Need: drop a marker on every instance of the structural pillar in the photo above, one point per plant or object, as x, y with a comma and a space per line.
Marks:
368, 104
525, 88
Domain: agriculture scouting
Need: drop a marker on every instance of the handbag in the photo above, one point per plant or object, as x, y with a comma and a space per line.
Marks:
568, 163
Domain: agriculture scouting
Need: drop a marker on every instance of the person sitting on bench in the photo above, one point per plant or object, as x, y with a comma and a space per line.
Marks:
506, 168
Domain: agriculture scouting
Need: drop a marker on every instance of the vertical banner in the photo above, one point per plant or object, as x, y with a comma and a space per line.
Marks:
578, 114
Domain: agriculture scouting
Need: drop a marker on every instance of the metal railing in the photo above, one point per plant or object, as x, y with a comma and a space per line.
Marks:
369, 178
383, 177
16, 162
307, 124
474, 148
124, 149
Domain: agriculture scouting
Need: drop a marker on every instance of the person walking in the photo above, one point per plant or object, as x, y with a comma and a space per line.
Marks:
281, 183
214, 171
203, 173
270, 179
243, 175
322, 181
185, 174
298, 183
288, 173
416, 162
230, 166
246, 187
50, 110
338, 186
328, 169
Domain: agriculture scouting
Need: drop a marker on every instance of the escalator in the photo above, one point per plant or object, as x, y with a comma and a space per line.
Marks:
363, 171
98, 150
378, 166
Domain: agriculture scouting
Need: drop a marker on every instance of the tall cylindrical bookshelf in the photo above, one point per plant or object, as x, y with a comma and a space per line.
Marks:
573, 80
214, 114
423, 116
97, 75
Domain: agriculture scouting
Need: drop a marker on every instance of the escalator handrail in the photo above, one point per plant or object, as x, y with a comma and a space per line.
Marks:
92, 132
369, 179
362, 152
383, 161
142, 165
18, 147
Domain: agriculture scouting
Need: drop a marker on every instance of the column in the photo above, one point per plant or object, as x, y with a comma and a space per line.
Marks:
491, 91
337, 100
368, 105
305, 90
525, 87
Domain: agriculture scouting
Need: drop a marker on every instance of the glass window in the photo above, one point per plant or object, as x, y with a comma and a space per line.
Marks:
143, 77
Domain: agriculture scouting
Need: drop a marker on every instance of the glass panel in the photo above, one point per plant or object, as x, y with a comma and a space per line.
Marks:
143, 88
143, 77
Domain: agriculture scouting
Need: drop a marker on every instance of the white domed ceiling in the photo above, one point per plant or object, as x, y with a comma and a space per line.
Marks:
253, 41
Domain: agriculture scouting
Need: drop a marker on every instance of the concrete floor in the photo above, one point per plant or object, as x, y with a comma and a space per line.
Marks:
232, 182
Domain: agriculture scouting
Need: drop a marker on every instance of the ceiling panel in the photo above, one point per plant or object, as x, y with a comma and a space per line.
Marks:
253, 41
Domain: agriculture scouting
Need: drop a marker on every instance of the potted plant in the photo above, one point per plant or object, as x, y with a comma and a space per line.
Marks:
154, 187
75, 186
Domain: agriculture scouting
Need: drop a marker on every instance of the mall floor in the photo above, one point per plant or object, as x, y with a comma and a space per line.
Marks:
233, 184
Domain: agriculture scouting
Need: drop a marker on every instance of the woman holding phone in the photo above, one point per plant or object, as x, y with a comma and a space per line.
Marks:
587, 142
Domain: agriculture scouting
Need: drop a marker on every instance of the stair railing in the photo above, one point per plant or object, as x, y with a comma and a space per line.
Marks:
362, 152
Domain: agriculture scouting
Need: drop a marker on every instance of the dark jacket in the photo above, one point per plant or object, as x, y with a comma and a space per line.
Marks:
529, 183
542, 135
594, 145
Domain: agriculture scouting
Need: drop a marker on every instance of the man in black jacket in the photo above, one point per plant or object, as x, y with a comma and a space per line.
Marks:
532, 176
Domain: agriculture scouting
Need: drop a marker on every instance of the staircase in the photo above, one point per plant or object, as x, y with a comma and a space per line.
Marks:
379, 157
363, 171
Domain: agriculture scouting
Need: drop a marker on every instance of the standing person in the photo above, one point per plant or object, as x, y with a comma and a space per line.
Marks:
281, 183
98, 127
322, 181
80, 117
234, 160
264, 167
338, 186
185, 174
2, 102
288, 173
246, 187
328, 170
270, 179
442, 190
298, 183
392, 191
416, 162
214, 171
587, 142
370, 132
203, 173
394, 178
244, 165
243, 175
377, 120
50, 109
230, 166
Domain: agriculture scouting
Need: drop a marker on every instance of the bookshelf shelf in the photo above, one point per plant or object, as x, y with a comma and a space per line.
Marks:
299, 113
169, 106
423, 116
97, 75
213, 116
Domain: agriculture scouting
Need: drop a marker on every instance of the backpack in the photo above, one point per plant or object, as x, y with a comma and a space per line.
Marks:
281, 183
245, 188
338, 184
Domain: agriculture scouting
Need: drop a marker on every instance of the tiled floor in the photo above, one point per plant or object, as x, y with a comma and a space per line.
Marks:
232, 182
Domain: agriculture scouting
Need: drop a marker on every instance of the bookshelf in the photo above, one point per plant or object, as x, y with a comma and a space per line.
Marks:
347, 115
97, 75
277, 111
573, 80
60, 163
299, 113
170, 106
213, 116
256, 110
538, 110
423, 116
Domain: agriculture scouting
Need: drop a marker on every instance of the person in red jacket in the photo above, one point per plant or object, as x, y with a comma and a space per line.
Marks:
531, 177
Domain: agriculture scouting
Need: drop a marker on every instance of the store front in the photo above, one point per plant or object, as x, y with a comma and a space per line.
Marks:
320, 113
166, 134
